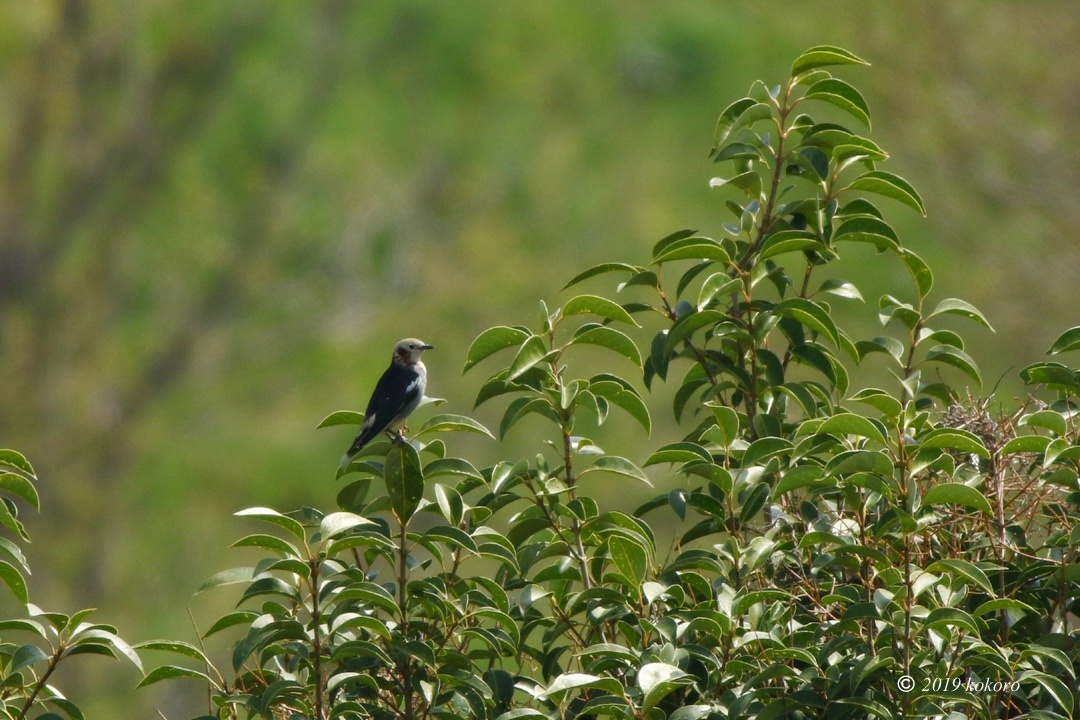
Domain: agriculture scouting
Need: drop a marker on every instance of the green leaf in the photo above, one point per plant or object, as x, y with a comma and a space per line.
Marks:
275, 518
267, 542
491, 341
842, 95
599, 270
1068, 340
170, 672
240, 617
824, 56
341, 417
727, 420
881, 400
451, 423
575, 681
868, 229
749, 182
532, 352
623, 396
630, 558
890, 346
1026, 444
716, 284
954, 493
175, 647
693, 248
1054, 687
452, 466
810, 314
115, 641
451, 536
404, 480
1050, 419
618, 466
968, 571
955, 306
25, 656
1002, 604
679, 452
796, 478
955, 439
610, 338
787, 241
852, 424
690, 323
228, 577
738, 114
857, 461
21, 487
1051, 374
658, 680
521, 407
336, 523
840, 288
957, 358
890, 186
449, 500
596, 305
920, 271
13, 459
951, 617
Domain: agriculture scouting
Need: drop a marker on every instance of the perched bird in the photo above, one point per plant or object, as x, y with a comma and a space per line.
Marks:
398, 392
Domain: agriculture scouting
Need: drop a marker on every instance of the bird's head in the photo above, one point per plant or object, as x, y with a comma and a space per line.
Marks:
409, 350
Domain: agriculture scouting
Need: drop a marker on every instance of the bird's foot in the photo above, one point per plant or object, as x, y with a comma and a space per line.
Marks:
396, 437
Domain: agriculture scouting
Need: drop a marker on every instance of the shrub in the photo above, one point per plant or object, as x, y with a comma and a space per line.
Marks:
891, 552
46, 639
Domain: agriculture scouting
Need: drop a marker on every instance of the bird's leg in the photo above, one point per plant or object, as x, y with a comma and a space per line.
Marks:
396, 437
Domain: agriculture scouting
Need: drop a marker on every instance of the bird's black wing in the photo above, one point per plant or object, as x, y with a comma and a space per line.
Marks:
397, 387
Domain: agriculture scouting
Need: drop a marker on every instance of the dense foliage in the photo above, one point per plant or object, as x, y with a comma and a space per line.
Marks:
886, 552
33, 646
838, 552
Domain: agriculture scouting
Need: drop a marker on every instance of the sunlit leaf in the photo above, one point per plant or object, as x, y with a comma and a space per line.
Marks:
824, 56
890, 186
954, 493
491, 341
404, 480
842, 95
596, 305
1068, 340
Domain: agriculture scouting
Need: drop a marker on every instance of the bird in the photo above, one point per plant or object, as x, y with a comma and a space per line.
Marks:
399, 391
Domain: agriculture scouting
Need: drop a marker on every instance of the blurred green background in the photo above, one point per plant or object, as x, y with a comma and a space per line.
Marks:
216, 218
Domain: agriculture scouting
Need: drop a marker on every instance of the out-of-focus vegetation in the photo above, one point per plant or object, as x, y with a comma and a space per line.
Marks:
216, 219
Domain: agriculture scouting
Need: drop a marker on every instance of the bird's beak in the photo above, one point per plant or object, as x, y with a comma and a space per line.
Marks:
427, 347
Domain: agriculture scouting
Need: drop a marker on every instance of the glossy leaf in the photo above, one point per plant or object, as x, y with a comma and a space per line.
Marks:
954, 493
532, 351
810, 314
404, 480
491, 341
955, 306
957, 358
824, 56
596, 305
842, 95
890, 186
599, 270
618, 466
453, 423
1068, 340
740, 113
611, 339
